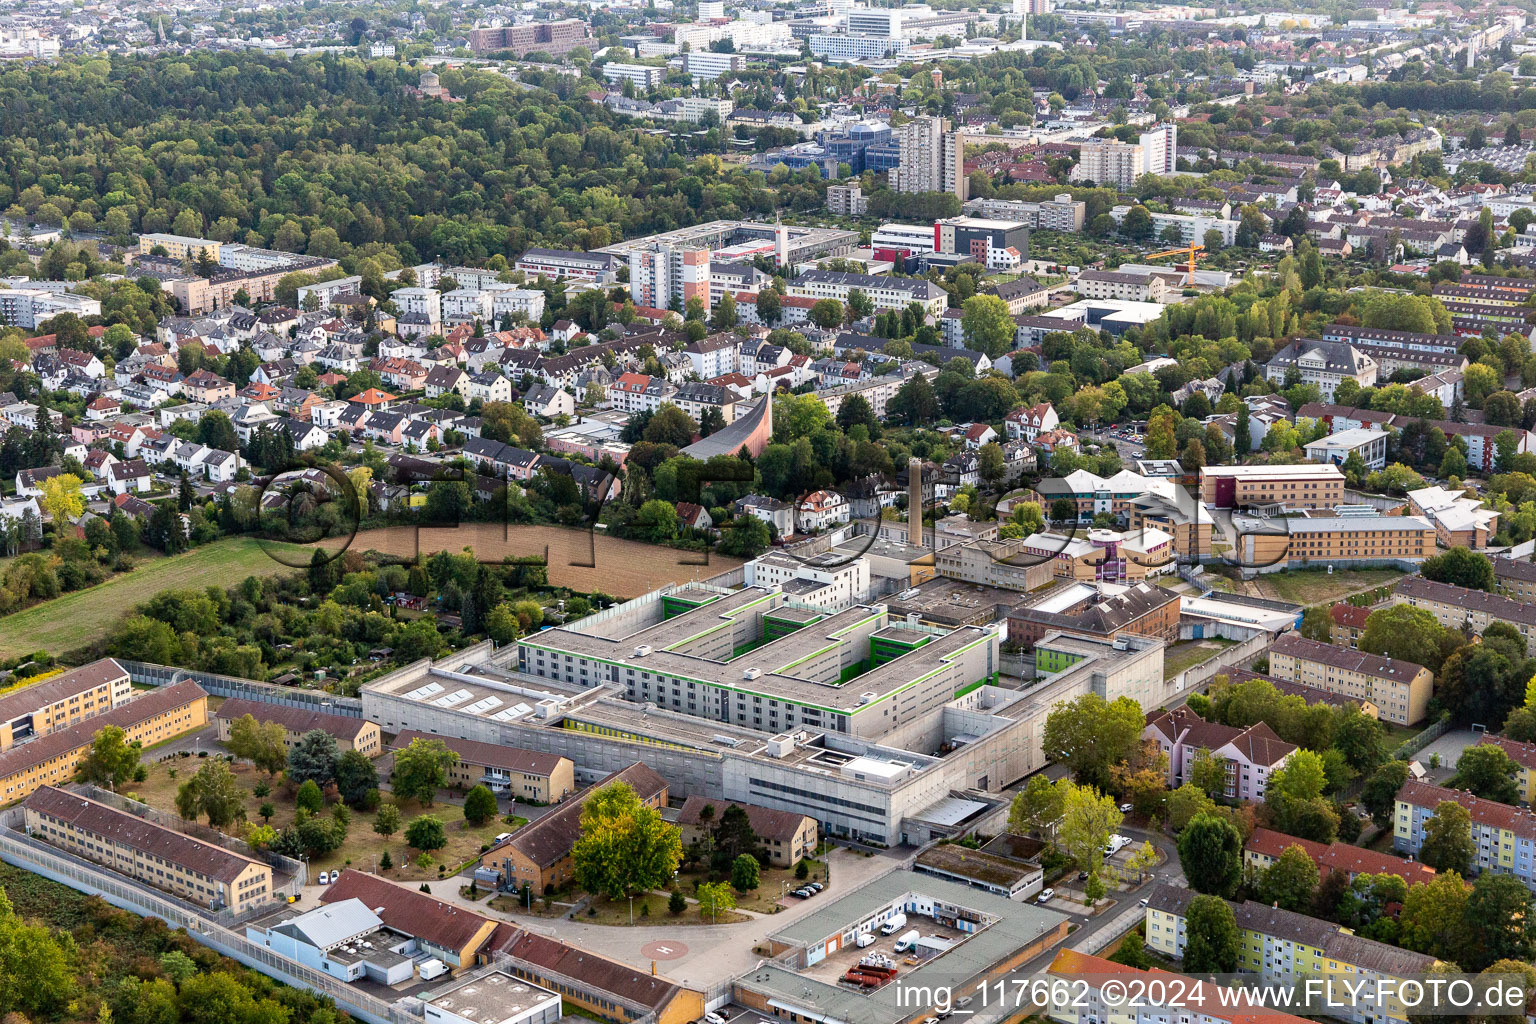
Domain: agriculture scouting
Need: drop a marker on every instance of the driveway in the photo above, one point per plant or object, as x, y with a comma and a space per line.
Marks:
698, 955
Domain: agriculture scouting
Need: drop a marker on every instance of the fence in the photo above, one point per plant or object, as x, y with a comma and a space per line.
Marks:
562, 984
232, 686
1127, 922
30, 855
1197, 675
1418, 742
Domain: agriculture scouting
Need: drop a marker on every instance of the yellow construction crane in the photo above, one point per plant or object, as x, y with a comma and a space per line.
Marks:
1191, 252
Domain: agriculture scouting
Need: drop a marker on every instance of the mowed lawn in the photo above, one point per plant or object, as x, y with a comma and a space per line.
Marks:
79, 618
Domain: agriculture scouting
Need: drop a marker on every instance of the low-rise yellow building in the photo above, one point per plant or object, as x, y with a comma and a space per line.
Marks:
63, 700
51, 760
1400, 690
186, 867
528, 775
1281, 945
350, 733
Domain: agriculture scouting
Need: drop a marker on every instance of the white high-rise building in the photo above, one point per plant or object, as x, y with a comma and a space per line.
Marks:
1160, 149
659, 273
709, 10
1108, 162
932, 158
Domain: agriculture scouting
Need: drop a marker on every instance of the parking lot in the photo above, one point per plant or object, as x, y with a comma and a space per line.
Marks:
835, 965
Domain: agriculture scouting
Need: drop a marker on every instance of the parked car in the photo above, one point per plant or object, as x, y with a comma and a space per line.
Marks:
713, 1018
815, 885
1082, 876
1046, 895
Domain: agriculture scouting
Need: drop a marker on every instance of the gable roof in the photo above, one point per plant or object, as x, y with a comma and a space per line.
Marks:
74, 737
293, 719
768, 823
493, 755
408, 911
551, 837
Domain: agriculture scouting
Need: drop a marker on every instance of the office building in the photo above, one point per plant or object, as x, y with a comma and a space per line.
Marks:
707, 65
1470, 610
1300, 486
932, 156
1324, 363
643, 76
1400, 690
896, 242
62, 700
555, 38
1107, 162
132, 845
1111, 284
1369, 445
661, 275
1083, 610
1062, 213
30, 307
526, 775
595, 267
1281, 945
840, 48
349, 733
979, 236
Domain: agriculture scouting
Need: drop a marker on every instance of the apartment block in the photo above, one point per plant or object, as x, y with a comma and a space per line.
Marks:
1347, 625
188, 868
1399, 689
51, 760
555, 38
932, 155
1170, 997
350, 733
1110, 163
661, 274
64, 700
1471, 610
1524, 756
1504, 837
1279, 945
1265, 847
1301, 486
885, 292
1249, 757
1515, 577
528, 775
179, 247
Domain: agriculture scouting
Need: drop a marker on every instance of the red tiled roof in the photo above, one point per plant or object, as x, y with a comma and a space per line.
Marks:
1352, 615
1520, 822
408, 911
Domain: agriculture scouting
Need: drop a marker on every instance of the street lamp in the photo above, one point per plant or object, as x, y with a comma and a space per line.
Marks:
631, 911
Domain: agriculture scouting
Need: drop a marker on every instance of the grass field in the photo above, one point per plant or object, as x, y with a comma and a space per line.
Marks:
362, 843
79, 618
1181, 656
1317, 587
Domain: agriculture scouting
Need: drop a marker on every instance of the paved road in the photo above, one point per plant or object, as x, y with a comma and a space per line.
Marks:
714, 954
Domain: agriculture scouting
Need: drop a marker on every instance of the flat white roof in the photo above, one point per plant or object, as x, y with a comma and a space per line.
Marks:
1303, 469
1352, 438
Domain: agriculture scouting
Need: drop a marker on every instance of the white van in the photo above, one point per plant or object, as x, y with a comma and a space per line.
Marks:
433, 968
907, 941
865, 939
894, 925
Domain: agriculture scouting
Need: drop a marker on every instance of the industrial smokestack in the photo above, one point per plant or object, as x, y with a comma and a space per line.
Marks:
915, 502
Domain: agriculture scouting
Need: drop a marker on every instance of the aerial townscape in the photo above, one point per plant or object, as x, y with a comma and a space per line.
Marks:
766, 511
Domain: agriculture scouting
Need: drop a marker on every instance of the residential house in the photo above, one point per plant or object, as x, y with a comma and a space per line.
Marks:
549, 402
1249, 757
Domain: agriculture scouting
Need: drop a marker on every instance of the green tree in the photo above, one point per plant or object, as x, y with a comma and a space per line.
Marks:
213, 791
715, 897
1037, 806
1088, 819
261, 743
1500, 920
1211, 936
1211, 853
1447, 844
657, 521
625, 847
426, 833
670, 425
1486, 770
387, 822
479, 805
1409, 634
1433, 918
676, 903
309, 798
987, 325
1089, 735
356, 777
1460, 567
744, 873
314, 757
1290, 881
1379, 795
827, 313
111, 760
421, 769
